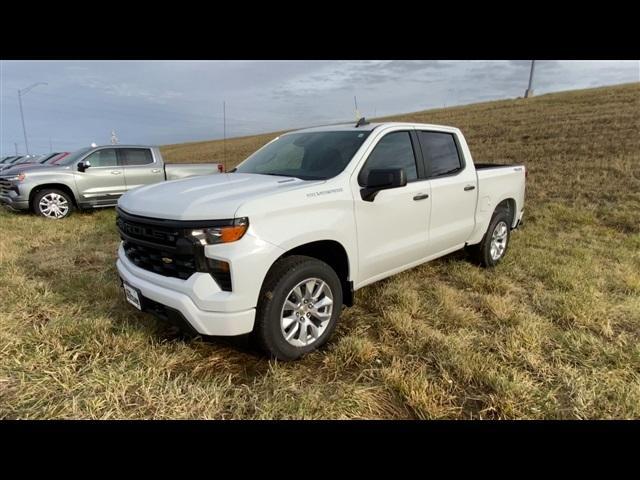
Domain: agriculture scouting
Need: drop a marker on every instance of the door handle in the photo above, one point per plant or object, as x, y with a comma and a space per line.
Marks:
156, 170
469, 187
421, 196
115, 172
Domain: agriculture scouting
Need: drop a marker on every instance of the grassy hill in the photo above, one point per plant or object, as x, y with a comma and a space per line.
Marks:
553, 332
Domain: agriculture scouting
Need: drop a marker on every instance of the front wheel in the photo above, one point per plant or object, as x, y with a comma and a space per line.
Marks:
52, 203
299, 306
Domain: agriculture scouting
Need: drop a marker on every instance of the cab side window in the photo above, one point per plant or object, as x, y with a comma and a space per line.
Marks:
135, 156
103, 158
394, 150
440, 153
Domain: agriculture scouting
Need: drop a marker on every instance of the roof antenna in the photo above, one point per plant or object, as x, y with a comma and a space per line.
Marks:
361, 121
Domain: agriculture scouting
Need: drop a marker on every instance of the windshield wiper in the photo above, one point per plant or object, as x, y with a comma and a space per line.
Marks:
279, 175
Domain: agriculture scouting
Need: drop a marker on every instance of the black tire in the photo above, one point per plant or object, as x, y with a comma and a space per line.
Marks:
281, 279
482, 251
35, 205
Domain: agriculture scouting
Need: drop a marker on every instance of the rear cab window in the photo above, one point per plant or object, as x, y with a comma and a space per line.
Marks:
130, 157
440, 152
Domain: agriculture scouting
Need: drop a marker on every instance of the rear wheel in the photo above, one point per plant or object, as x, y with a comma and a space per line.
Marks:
299, 306
52, 203
490, 251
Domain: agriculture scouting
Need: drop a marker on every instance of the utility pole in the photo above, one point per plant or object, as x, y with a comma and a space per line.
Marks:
15, 144
355, 102
224, 134
21, 93
529, 92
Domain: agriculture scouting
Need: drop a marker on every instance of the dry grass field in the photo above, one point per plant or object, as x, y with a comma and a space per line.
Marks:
553, 332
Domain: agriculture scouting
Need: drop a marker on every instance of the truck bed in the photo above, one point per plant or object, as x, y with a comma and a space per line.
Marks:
497, 182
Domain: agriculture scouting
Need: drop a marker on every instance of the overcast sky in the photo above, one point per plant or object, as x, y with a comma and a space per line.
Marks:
160, 102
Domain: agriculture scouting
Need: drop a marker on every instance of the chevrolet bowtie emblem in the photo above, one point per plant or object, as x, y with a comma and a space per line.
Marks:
167, 260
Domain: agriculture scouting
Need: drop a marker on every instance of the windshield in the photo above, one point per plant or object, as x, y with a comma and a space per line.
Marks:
31, 159
74, 157
309, 156
46, 158
56, 158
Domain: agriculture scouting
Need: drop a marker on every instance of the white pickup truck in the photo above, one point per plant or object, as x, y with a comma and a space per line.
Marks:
278, 245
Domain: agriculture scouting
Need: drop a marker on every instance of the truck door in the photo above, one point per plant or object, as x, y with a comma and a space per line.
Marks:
392, 229
103, 182
454, 191
140, 167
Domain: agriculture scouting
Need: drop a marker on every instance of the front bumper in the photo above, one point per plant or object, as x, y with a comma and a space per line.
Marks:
202, 321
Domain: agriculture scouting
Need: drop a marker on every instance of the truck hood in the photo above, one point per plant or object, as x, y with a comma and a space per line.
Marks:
210, 197
33, 168
25, 167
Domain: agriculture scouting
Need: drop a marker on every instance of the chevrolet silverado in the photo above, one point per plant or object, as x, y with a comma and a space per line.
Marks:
278, 245
90, 178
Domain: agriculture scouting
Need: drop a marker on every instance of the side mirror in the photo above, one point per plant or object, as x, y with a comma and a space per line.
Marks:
82, 166
383, 179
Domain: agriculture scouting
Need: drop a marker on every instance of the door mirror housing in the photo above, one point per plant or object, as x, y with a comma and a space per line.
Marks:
383, 179
83, 165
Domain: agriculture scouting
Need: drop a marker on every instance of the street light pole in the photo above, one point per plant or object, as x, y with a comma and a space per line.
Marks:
24, 130
22, 92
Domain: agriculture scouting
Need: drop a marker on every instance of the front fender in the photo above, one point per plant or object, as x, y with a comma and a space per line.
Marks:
34, 183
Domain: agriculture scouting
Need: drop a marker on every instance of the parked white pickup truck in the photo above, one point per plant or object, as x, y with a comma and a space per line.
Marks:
278, 245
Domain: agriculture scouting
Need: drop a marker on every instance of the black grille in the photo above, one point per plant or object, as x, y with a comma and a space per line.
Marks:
164, 247
160, 261
5, 187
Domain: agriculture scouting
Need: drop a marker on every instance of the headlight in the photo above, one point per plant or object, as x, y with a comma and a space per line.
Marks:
222, 234
17, 178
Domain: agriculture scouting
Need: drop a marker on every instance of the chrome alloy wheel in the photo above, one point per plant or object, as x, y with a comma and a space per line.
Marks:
306, 312
499, 240
53, 205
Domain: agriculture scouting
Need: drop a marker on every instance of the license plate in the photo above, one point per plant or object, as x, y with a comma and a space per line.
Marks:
132, 296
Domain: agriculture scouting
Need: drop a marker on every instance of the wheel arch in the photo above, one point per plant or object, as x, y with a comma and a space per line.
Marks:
484, 216
333, 254
54, 186
508, 204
